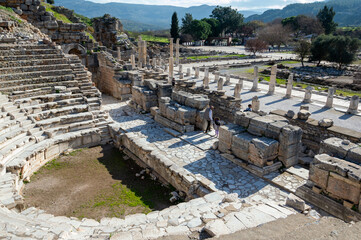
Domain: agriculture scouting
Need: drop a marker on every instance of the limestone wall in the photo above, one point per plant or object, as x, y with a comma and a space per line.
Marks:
313, 134
338, 179
109, 77
58, 31
261, 140
342, 149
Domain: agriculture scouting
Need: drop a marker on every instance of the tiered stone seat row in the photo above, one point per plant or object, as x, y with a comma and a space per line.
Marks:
48, 105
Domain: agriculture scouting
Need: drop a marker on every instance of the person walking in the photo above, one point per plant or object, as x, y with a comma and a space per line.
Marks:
208, 115
217, 124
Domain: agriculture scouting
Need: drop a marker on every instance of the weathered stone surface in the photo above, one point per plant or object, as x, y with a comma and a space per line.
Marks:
296, 202
318, 176
343, 188
216, 228
243, 118
325, 122
336, 147
303, 114
258, 125
274, 129
226, 133
261, 150
240, 145
290, 135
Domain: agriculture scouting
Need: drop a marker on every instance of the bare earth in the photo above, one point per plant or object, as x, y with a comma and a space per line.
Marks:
90, 183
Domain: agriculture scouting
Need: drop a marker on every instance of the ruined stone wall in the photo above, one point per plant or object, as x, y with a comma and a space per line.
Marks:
313, 134
107, 29
109, 77
224, 106
58, 31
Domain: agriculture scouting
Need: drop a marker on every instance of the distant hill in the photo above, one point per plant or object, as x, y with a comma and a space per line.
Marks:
347, 11
139, 17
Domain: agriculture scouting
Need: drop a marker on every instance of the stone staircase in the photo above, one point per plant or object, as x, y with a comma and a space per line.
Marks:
48, 104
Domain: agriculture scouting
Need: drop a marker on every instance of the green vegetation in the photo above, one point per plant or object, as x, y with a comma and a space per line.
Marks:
58, 16
216, 56
54, 165
150, 38
6, 9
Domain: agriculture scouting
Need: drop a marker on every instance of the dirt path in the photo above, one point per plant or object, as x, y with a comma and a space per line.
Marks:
94, 183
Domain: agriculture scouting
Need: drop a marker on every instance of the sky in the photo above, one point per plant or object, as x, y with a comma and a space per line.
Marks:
239, 4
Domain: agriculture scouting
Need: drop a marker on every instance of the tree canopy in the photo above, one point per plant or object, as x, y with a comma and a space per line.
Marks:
229, 19
186, 23
174, 28
325, 16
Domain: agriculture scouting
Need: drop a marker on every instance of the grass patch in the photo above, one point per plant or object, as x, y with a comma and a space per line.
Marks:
358, 61
91, 37
76, 152
58, 16
150, 38
7, 9
54, 165
289, 62
216, 56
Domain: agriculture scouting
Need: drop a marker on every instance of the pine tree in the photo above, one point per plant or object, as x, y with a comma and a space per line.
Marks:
174, 29
325, 16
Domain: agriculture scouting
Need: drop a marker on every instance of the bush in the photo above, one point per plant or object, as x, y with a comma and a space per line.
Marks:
50, 1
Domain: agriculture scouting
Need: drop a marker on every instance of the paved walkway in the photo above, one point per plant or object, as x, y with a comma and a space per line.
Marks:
276, 101
186, 151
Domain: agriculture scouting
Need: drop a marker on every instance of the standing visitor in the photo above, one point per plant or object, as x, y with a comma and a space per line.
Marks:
208, 115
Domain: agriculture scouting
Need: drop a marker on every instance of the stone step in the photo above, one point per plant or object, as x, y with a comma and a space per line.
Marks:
17, 46
10, 150
33, 62
38, 68
20, 90
54, 79
27, 57
37, 74
31, 108
72, 127
57, 112
67, 119
55, 97
29, 52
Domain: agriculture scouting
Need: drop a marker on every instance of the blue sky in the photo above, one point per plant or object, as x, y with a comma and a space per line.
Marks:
239, 4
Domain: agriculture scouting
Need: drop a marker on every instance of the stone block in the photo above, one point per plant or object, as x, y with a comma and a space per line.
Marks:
261, 150
216, 228
226, 133
288, 162
258, 125
296, 202
287, 151
354, 154
274, 129
290, 135
318, 176
240, 145
243, 118
343, 188
52, 152
336, 147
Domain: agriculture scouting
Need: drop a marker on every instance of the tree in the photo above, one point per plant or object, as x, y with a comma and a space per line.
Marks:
186, 23
342, 50
303, 50
200, 30
174, 28
229, 19
303, 25
255, 45
339, 49
275, 34
319, 48
50, 1
325, 16
215, 27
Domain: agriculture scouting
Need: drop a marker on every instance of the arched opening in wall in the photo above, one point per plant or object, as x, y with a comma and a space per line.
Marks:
76, 49
76, 52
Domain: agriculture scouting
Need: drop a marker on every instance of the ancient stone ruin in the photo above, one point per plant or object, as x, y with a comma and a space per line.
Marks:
264, 165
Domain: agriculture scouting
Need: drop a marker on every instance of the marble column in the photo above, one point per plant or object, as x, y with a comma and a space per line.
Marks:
289, 86
220, 84
171, 69
188, 72
237, 91
144, 52
177, 52
255, 80
354, 102
171, 47
240, 82
196, 74
308, 94
132, 60
255, 104
272, 82
180, 68
228, 80
216, 77
206, 74
329, 101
